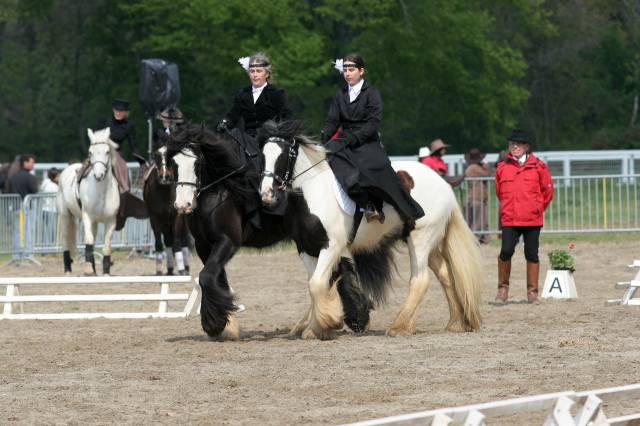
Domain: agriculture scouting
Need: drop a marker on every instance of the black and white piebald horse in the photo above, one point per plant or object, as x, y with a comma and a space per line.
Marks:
217, 188
441, 240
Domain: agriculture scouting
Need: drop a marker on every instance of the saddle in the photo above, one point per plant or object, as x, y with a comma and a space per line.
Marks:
374, 211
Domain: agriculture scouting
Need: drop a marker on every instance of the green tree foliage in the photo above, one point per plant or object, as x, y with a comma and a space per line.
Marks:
462, 70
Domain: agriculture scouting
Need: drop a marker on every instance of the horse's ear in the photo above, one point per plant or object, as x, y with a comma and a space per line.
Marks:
90, 133
108, 133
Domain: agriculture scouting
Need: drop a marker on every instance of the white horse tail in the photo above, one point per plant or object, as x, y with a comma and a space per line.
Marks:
461, 251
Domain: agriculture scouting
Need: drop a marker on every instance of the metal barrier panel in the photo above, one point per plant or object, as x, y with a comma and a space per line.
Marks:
42, 233
10, 218
580, 204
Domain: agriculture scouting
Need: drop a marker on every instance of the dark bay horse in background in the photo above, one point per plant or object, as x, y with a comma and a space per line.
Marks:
217, 188
168, 226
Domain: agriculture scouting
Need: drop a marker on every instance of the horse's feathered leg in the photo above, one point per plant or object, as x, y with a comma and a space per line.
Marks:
326, 311
217, 301
109, 228
89, 241
310, 263
405, 322
439, 267
159, 247
68, 224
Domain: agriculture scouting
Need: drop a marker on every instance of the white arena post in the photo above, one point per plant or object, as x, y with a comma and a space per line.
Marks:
589, 406
163, 297
631, 286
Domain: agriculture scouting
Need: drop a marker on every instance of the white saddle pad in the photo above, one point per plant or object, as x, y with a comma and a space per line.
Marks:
345, 202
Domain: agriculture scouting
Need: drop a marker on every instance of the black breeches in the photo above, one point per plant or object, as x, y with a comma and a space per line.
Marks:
510, 237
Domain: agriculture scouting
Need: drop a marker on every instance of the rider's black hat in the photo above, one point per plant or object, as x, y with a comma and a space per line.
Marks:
518, 135
120, 104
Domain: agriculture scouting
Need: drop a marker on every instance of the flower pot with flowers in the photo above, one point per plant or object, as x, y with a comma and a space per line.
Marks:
559, 283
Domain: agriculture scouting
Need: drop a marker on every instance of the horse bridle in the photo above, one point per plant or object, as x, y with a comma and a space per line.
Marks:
286, 182
106, 164
164, 163
209, 185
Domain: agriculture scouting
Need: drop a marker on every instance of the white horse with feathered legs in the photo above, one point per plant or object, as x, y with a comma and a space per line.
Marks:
95, 200
441, 240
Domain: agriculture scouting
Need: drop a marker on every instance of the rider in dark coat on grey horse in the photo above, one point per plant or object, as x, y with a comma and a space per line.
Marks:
357, 157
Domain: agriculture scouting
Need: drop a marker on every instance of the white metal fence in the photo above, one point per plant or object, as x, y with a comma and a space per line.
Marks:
32, 227
603, 203
10, 220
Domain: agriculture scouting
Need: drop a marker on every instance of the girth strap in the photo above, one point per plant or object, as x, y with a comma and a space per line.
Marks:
357, 218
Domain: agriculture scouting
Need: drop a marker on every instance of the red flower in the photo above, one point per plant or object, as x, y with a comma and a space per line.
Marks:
572, 245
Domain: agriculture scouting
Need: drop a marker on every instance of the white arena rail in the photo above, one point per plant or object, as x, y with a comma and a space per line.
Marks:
631, 286
589, 406
13, 297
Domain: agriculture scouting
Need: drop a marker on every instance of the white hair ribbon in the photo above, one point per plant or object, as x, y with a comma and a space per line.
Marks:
338, 64
244, 62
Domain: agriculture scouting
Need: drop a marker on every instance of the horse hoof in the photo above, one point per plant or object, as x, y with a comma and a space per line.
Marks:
106, 275
67, 273
308, 334
183, 272
456, 327
394, 332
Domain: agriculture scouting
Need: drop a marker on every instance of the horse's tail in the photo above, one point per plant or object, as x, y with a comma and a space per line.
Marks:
70, 234
461, 252
376, 269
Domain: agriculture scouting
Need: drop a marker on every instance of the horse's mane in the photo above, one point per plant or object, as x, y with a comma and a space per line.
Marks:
220, 156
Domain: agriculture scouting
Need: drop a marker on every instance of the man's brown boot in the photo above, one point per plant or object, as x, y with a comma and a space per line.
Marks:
504, 271
533, 274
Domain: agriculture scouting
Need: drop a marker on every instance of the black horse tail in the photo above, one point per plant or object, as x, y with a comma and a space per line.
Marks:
375, 269
355, 304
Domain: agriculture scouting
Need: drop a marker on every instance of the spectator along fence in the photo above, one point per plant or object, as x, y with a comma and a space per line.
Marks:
605, 201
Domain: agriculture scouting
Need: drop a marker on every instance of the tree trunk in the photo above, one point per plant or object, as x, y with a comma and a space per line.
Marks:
634, 112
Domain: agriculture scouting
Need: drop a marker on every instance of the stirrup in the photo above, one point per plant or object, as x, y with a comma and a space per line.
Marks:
372, 214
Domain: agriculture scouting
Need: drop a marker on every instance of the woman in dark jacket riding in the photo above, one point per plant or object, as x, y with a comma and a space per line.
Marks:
357, 157
252, 107
257, 103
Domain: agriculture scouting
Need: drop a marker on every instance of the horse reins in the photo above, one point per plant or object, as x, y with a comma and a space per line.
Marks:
287, 180
209, 185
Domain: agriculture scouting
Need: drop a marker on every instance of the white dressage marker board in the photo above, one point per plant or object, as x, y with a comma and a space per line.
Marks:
559, 285
631, 286
12, 296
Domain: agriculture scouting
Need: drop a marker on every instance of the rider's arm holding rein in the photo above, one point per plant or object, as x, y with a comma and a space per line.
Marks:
235, 112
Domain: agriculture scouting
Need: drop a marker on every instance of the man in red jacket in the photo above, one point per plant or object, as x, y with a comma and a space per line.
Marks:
524, 188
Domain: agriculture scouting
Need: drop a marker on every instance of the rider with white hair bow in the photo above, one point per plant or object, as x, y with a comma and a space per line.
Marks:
259, 102
357, 157
252, 107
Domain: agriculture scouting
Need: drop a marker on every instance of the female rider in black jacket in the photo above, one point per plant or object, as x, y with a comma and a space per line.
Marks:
358, 159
